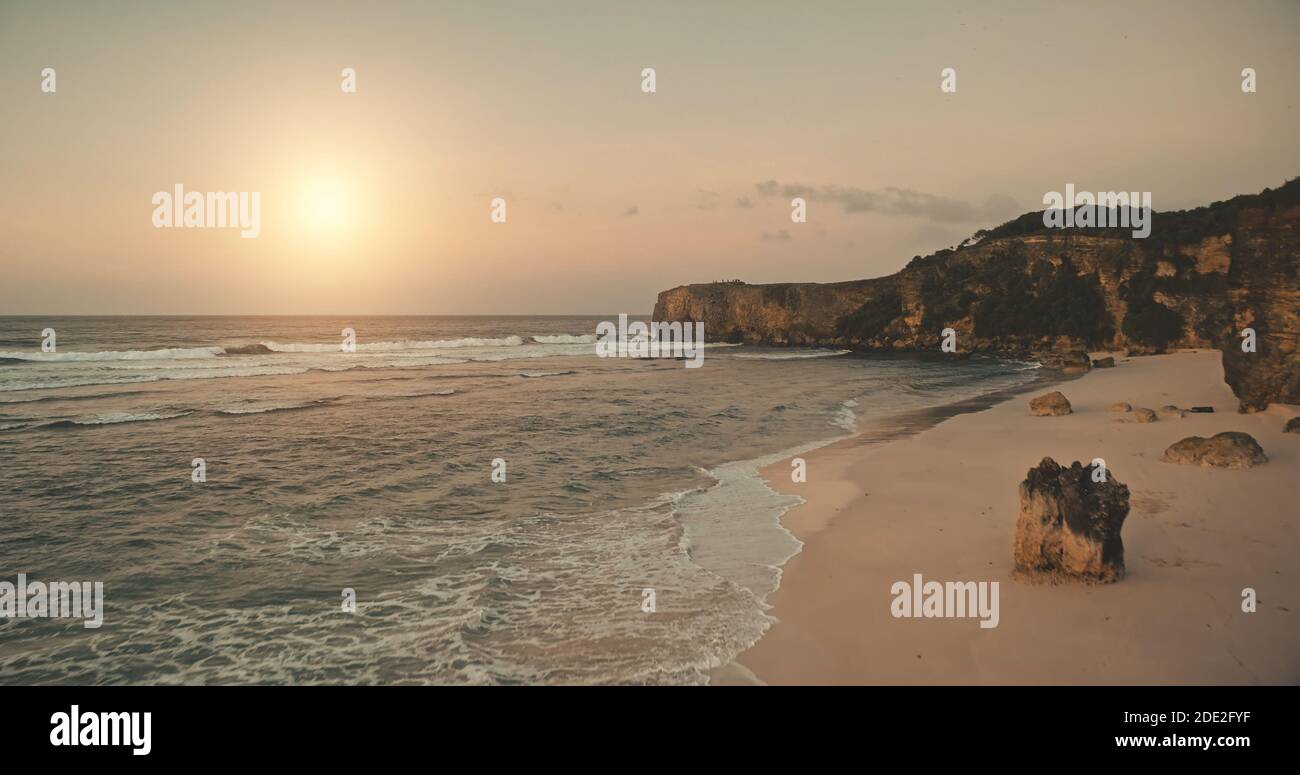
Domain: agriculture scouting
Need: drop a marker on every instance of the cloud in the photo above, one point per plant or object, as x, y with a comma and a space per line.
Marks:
778, 236
896, 201
708, 200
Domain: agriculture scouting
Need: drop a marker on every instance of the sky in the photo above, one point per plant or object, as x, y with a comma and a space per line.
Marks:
379, 201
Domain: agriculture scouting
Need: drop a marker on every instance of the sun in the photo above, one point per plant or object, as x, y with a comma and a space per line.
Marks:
326, 205
326, 208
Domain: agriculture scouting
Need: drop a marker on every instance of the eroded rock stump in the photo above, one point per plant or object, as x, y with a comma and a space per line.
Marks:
1069, 524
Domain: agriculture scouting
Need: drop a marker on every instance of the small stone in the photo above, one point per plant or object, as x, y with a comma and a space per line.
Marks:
1120, 406
1144, 415
1049, 405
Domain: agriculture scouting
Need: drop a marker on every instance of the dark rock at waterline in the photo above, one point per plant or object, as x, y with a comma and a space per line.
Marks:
1202, 410
248, 349
1069, 523
1075, 362
1292, 425
1104, 363
1230, 449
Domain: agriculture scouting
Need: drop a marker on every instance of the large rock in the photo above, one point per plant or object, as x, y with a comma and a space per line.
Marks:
1069, 524
1075, 362
1050, 405
1292, 425
1230, 449
1104, 363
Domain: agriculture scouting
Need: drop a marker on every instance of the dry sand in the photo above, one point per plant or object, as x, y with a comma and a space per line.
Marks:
944, 503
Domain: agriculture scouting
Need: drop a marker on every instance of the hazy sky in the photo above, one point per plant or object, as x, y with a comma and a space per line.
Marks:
379, 201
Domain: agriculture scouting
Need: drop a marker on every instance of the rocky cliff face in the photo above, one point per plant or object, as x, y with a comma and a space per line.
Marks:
1199, 280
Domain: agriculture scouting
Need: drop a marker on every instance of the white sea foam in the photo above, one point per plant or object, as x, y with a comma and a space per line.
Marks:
566, 339
166, 354
398, 346
791, 356
845, 417
113, 418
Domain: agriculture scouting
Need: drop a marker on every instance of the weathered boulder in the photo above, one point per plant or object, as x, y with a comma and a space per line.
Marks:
1075, 362
1050, 405
1069, 524
1292, 425
1104, 363
1144, 415
1230, 449
1120, 406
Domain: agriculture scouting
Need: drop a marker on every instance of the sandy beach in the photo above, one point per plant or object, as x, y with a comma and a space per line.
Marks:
943, 504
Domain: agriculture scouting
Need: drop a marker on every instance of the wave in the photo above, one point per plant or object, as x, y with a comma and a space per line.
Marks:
252, 407
845, 417
792, 356
116, 418
165, 354
398, 346
82, 397
566, 339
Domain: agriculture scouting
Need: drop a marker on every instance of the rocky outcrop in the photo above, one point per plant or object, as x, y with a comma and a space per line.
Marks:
1069, 524
1264, 294
1230, 449
1050, 405
1201, 277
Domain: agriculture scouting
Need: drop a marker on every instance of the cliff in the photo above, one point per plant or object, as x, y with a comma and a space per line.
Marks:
1198, 280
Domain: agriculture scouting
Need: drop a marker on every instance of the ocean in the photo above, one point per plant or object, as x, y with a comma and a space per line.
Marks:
631, 540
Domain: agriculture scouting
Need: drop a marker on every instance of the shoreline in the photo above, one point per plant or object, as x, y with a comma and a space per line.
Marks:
943, 502
900, 425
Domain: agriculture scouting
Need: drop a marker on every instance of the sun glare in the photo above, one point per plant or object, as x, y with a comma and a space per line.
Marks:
325, 208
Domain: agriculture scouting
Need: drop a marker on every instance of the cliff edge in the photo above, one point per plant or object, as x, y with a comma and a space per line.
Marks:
1200, 279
